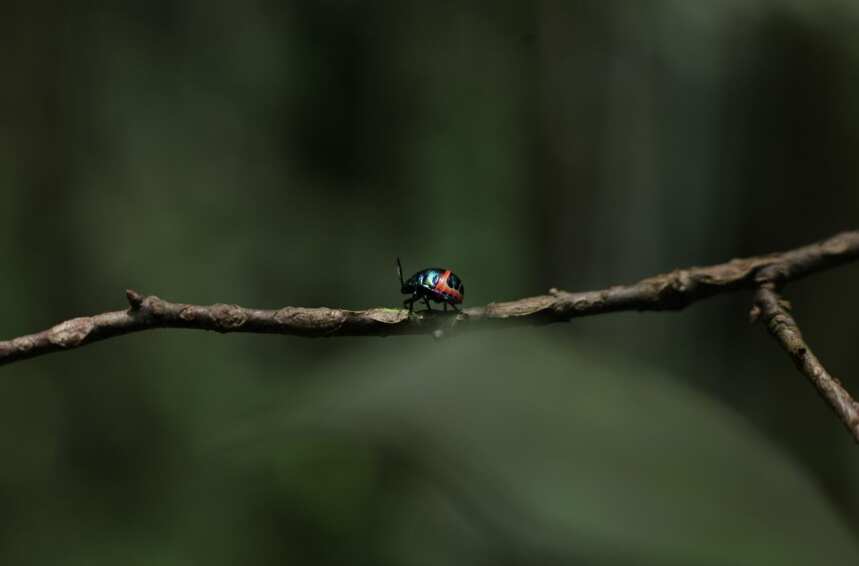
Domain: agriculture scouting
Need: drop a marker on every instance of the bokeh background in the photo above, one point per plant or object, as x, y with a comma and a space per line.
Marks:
283, 153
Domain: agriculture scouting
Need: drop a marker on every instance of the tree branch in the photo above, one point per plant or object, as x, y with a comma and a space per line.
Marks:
775, 312
668, 291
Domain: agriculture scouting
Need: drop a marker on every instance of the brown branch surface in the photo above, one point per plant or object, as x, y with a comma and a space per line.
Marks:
775, 313
669, 291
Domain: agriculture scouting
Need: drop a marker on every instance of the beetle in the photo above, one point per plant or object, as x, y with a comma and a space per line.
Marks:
432, 284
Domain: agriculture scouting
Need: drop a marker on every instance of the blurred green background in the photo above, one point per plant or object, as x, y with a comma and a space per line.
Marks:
283, 153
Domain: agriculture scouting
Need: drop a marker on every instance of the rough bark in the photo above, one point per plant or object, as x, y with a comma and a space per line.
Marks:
775, 313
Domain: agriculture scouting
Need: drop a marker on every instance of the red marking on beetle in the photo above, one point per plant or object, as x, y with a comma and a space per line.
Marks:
442, 287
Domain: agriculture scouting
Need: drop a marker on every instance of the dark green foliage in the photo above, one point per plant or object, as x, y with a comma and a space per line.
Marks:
274, 153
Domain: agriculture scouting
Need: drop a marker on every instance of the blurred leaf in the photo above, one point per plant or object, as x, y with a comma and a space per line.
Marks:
575, 451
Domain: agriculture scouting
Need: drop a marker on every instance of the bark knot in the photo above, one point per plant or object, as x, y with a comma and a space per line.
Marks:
71, 333
23, 344
229, 317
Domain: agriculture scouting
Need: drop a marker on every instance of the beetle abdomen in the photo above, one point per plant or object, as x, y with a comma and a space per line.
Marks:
440, 285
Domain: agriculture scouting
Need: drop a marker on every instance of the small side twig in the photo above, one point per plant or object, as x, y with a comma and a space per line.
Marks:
775, 313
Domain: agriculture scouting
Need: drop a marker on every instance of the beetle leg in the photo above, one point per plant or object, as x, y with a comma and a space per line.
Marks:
454, 308
409, 303
445, 306
426, 301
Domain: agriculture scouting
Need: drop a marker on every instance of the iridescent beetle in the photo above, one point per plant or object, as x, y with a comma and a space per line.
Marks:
432, 284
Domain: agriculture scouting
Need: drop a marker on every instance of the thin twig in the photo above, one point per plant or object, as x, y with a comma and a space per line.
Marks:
775, 313
669, 291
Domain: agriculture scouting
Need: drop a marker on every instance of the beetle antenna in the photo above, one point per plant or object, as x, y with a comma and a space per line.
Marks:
400, 271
